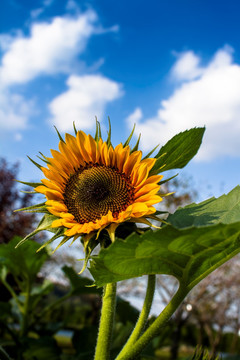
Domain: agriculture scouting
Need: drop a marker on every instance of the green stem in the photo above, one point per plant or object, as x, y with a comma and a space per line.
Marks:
154, 329
25, 315
106, 322
142, 317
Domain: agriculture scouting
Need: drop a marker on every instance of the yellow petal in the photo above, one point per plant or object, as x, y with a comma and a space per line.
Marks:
104, 155
153, 179
149, 162
139, 209
68, 155
147, 189
57, 223
41, 189
53, 195
53, 175
150, 200
91, 147
139, 175
81, 140
71, 142
122, 157
131, 162
52, 185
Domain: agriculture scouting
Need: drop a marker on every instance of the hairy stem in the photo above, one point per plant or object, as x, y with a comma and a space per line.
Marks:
106, 322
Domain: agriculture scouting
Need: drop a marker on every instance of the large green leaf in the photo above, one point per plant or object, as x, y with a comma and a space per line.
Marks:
225, 209
188, 254
178, 151
185, 251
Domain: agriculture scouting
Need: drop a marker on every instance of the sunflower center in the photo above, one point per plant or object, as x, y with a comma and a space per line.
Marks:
94, 190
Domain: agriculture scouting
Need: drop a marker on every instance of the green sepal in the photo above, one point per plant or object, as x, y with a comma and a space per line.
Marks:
99, 130
130, 137
32, 207
43, 158
42, 210
151, 152
178, 151
59, 135
89, 246
161, 212
166, 180
74, 128
27, 192
109, 133
44, 224
63, 241
35, 163
135, 148
59, 233
34, 185
98, 133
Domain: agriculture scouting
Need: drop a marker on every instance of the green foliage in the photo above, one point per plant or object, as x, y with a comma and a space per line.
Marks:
42, 349
32, 306
31, 263
179, 150
225, 209
189, 254
38, 314
201, 354
79, 284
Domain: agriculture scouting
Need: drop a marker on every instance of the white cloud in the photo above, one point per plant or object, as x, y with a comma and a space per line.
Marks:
208, 96
135, 116
14, 110
86, 97
49, 49
187, 67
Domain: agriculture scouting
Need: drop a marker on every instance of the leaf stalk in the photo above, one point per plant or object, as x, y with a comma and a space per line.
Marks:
142, 320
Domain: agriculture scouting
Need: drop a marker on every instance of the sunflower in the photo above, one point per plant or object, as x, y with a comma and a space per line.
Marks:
90, 185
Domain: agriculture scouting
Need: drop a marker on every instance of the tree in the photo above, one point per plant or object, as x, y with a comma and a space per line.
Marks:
13, 223
215, 305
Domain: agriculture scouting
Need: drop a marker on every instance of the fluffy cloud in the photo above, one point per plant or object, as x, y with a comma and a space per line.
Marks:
208, 96
49, 48
14, 110
187, 67
85, 98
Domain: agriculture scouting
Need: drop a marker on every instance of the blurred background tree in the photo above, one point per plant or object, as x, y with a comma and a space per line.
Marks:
18, 223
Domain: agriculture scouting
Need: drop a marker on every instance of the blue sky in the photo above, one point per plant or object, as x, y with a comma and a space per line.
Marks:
164, 65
